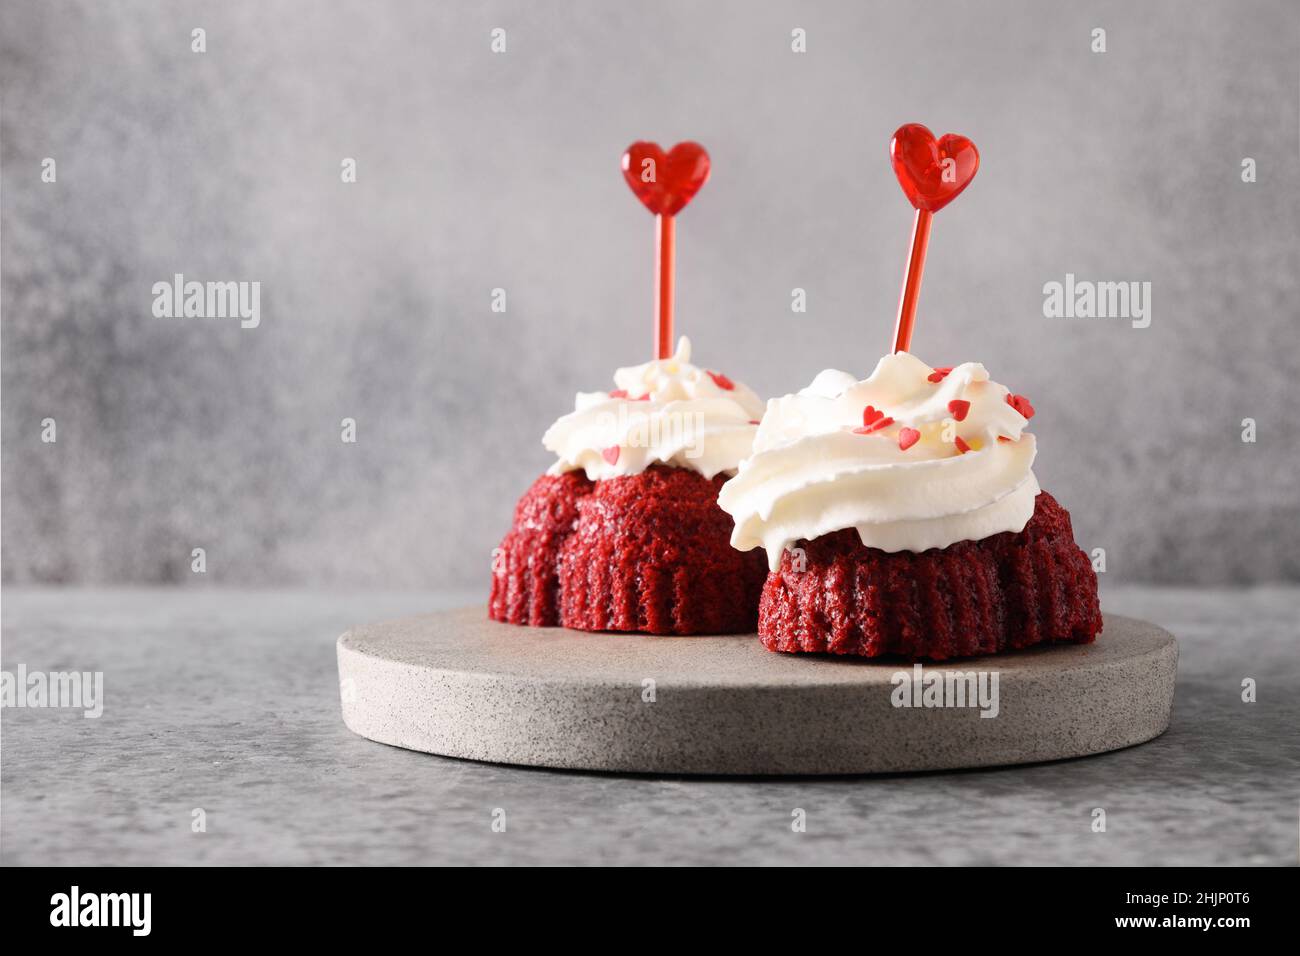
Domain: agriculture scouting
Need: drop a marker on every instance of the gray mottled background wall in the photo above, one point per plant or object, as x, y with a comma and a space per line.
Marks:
479, 170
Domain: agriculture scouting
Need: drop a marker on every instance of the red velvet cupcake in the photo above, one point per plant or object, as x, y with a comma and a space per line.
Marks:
625, 533
901, 517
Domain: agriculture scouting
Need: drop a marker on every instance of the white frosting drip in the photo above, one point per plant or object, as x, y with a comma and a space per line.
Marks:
667, 411
815, 469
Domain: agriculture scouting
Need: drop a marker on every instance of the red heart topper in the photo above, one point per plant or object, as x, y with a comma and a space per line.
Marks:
932, 172
665, 182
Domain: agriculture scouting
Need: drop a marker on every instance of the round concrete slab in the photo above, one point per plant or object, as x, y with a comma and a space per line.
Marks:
458, 684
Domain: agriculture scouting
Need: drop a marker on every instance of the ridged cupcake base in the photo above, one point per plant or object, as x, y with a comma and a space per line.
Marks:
648, 552
1004, 592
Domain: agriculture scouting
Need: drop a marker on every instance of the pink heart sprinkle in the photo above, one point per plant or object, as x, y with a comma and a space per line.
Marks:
610, 454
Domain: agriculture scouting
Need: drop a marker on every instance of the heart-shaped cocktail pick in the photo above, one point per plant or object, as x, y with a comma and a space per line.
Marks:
665, 183
932, 172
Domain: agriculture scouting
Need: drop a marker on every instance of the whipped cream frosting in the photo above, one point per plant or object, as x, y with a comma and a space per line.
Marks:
912, 457
667, 411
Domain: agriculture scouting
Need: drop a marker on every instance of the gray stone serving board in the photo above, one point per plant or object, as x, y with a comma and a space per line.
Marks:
458, 684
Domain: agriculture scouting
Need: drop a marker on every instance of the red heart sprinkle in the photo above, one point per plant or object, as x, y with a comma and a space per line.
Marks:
907, 437
959, 407
610, 454
642, 398
939, 374
618, 393
754, 421
873, 419
721, 381
932, 172
1003, 438
1021, 404
961, 445
875, 426
665, 182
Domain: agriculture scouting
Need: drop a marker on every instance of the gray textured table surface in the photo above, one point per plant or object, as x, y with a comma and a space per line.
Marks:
228, 702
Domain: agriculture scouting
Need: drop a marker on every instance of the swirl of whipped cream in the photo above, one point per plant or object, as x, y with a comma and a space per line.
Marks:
912, 457
667, 411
